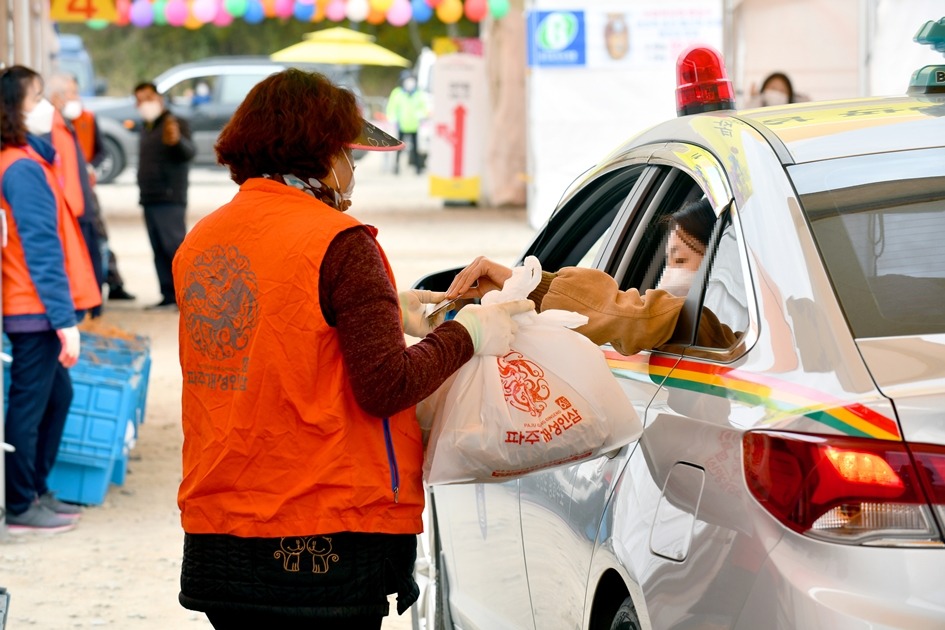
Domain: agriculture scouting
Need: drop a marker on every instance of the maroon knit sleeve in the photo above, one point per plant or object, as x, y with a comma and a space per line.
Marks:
358, 299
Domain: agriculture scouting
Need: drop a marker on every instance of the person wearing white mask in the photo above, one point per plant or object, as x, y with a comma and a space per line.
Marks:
63, 92
165, 152
48, 283
74, 171
776, 89
630, 320
299, 393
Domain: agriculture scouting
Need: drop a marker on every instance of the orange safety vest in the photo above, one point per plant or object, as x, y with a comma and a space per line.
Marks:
19, 292
84, 127
67, 166
275, 443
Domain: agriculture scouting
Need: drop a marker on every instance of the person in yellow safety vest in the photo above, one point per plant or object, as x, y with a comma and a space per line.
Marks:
406, 108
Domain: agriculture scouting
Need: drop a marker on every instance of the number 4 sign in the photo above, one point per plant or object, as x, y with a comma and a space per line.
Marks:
83, 10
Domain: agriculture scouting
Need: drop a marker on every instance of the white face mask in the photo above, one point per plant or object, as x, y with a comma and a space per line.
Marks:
39, 120
774, 97
150, 110
72, 110
345, 195
676, 280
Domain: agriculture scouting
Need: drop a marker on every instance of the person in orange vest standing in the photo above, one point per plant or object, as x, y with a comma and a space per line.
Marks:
63, 92
302, 490
47, 284
73, 174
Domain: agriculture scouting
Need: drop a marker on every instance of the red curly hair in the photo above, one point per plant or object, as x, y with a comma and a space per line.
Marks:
291, 122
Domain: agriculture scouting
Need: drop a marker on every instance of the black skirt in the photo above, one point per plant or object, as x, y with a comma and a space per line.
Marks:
345, 574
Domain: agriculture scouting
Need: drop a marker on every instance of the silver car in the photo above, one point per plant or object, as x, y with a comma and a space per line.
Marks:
793, 480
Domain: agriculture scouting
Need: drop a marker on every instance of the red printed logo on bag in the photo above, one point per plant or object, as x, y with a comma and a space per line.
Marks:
563, 402
523, 383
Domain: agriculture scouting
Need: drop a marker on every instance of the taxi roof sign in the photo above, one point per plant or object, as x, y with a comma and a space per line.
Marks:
928, 80
932, 34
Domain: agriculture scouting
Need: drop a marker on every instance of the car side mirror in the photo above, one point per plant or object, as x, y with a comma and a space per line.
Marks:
101, 86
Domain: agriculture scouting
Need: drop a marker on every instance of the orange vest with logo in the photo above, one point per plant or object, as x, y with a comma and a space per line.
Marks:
84, 127
275, 443
67, 166
19, 293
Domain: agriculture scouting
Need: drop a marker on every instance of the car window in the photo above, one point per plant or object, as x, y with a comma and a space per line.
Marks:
879, 223
646, 245
725, 293
578, 231
235, 87
193, 91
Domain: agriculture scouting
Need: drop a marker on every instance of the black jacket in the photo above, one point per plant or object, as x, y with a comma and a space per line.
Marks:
162, 169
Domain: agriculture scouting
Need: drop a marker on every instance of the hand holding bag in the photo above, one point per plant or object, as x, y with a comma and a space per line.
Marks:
551, 401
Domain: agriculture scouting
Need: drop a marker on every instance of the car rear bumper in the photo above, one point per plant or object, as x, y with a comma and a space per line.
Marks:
809, 584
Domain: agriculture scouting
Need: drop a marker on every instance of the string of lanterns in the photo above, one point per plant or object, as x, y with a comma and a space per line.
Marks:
194, 14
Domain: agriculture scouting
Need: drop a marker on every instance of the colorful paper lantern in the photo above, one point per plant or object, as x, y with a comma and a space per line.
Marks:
336, 10
498, 8
254, 12
303, 11
382, 5
176, 12
141, 13
204, 10
320, 6
433, 3
159, 9
375, 17
282, 9
357, 10
192, 22
449, 11
123, 12
476, 10
223, 18
400, 13
236, 8
422, 11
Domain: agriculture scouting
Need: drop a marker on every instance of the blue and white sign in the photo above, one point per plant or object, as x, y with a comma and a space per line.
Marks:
556, 38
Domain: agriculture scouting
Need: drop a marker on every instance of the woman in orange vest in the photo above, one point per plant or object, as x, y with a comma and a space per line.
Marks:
47, 283
302, 488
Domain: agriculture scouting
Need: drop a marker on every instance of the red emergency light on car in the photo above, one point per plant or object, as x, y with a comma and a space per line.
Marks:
702, 84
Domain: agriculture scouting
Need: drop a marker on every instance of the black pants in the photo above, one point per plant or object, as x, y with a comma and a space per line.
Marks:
410, 139
39, 399
167, 226
236, 620
94, 245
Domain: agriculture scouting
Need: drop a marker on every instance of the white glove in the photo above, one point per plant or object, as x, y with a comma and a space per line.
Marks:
413, 310
69, 338
491, 326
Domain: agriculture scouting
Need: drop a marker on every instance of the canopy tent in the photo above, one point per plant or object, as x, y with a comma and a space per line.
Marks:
340, 46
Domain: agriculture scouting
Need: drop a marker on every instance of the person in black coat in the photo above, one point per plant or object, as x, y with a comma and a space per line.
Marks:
166, 150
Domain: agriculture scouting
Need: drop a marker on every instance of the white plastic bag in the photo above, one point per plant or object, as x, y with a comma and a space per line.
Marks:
551, 401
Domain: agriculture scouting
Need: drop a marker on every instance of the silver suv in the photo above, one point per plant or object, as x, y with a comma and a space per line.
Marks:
205, 93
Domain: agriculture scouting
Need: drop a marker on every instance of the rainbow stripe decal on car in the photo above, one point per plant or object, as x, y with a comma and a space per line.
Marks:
783, 398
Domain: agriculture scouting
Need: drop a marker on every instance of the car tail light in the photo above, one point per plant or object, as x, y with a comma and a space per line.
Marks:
847, 489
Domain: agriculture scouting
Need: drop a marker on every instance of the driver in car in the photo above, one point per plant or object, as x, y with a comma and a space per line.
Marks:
629, 320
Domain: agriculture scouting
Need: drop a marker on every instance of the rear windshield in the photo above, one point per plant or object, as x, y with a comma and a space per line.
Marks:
879, 222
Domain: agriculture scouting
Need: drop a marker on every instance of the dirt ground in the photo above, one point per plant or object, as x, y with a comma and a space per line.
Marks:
120, 567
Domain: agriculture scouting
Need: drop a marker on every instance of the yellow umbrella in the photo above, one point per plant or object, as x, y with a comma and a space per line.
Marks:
339, 46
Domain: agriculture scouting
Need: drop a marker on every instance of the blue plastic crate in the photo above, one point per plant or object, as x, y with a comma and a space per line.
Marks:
103, 402
80, 479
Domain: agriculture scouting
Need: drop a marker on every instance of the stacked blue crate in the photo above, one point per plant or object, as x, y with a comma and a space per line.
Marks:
110, 384
131, 357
